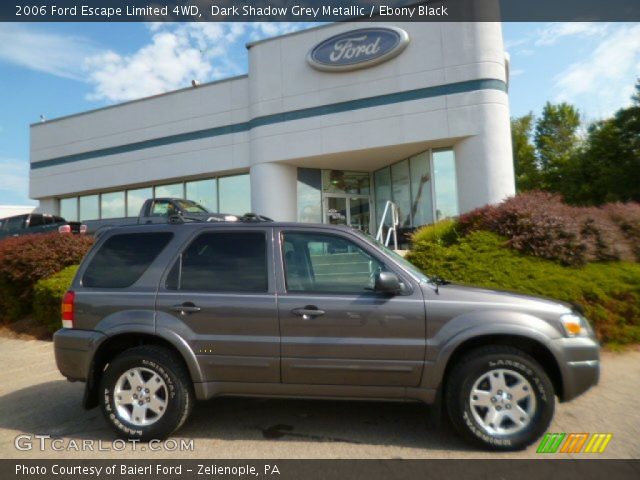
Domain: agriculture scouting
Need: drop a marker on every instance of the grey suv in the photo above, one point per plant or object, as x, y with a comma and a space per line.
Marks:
161, 315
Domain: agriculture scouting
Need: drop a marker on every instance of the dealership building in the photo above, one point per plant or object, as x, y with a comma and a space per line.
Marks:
328, 126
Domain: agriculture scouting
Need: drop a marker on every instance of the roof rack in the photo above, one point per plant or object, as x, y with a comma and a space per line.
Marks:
220, 217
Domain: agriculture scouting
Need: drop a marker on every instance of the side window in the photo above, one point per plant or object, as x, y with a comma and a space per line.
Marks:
223, 262
15, 224
122, 259
36, 220
162, 208
317, 262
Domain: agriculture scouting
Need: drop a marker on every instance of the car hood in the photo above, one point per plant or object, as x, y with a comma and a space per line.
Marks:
501, 299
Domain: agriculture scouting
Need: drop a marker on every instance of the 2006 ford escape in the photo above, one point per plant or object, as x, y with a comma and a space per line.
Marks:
161, 315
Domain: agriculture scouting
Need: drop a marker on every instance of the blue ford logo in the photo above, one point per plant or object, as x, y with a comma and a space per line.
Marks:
360, 48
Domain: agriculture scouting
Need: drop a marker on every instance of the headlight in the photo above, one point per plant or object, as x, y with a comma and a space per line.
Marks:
575, 325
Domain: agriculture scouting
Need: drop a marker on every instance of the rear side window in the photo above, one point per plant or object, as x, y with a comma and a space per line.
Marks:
36, 220
223, 262
163, 208
122, 259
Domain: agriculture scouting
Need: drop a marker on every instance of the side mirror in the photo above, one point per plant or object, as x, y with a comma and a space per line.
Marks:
387, 282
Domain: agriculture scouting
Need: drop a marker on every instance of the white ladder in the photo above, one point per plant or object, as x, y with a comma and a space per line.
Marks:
390, 208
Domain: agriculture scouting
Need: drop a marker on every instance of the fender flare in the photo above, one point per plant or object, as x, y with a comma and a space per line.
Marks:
90, 398
508, 323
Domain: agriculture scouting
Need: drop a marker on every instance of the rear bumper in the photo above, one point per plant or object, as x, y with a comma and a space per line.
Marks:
74, 350
579, 360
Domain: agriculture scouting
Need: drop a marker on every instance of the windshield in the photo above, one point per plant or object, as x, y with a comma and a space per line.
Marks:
398, 258
191, 207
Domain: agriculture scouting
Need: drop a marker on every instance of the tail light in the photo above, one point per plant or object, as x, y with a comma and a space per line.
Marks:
64, 229
83, 229
68, 312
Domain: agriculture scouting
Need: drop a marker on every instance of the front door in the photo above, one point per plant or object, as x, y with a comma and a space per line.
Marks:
352, 210
335, 330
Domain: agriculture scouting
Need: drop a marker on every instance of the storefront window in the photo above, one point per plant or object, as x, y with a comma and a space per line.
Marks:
382, 181
446, 191
174, 190
340, 181
415, 185
112, 205
69, 209
309, 195
235, 194
135, 200
400, 186
89, 207
421, 200
204, 192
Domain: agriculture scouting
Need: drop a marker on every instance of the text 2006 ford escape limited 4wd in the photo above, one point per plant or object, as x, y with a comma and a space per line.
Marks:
161, 315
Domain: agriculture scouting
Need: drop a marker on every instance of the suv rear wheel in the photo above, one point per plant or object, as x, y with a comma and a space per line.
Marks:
146, 393
500, 397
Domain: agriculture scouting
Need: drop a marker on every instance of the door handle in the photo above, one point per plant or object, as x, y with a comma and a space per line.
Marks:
186, 308
308, 312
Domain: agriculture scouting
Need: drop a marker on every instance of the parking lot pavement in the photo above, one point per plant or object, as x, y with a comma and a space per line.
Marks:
36, 399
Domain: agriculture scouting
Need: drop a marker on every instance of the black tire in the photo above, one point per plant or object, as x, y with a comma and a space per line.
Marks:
178, 386
471, 368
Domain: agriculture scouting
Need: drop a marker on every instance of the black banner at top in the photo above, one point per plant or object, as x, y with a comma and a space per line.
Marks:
318, 10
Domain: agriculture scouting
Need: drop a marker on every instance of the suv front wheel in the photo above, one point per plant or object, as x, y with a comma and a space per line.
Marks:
500, 397
146, 393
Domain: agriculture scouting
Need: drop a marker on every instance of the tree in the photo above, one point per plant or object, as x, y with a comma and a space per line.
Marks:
589, 174
524, 154
607, 169
625, 165
557, 141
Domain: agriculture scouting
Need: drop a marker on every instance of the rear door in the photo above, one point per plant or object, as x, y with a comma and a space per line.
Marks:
335, 329
219, 295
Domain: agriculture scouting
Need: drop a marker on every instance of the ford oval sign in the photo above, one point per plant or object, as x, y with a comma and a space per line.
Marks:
360, 48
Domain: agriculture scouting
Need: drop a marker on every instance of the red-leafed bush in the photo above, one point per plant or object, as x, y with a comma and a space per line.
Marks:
540, 224
25, 260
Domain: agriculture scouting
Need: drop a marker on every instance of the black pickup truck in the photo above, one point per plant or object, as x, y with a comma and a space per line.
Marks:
169, 210
30, 223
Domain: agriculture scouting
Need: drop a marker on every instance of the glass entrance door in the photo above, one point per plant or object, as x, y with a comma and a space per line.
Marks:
359, 213
335, 211
353, 210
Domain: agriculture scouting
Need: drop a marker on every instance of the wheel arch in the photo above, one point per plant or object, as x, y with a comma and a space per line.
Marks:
533, 347
118, 343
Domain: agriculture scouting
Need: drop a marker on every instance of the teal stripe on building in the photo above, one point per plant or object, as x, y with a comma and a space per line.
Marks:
377, 101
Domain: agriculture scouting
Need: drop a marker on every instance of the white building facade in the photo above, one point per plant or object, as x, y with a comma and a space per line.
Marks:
413, 113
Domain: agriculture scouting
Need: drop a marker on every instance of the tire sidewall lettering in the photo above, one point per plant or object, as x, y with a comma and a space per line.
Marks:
109, 404
544, 399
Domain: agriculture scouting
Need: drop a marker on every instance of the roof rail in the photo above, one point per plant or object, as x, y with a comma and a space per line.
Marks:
220, 217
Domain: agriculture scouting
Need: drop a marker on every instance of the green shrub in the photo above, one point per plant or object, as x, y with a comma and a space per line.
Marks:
608, 291
47, 297
442, 233
25, 260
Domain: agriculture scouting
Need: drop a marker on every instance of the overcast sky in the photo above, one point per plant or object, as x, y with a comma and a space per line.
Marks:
59, 69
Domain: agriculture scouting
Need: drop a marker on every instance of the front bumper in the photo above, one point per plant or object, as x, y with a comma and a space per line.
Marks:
579, 360
74, 350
